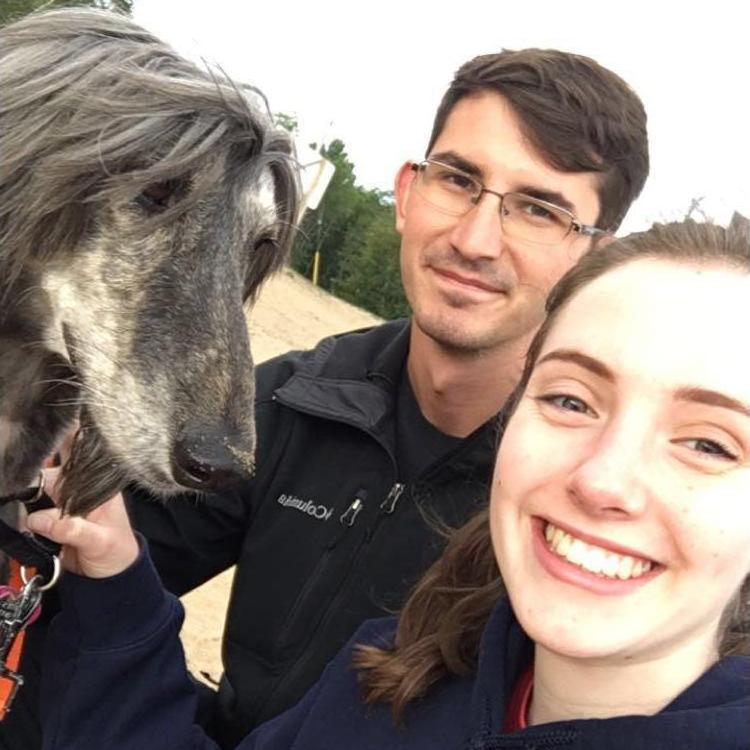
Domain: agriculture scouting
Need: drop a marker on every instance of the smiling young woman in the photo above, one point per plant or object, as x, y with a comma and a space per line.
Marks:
619, 525
600, 601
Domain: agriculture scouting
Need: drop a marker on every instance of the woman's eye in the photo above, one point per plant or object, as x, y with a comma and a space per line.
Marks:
711, 448
567, 403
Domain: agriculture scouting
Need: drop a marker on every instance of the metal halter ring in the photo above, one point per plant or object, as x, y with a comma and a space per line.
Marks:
52, 581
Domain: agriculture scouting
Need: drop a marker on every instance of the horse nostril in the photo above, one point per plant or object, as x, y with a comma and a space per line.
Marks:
192, 469
207, 459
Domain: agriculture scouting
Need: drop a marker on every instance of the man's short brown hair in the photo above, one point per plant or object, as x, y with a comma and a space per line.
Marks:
578, 115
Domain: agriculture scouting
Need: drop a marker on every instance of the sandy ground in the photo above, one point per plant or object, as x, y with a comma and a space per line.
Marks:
290, 314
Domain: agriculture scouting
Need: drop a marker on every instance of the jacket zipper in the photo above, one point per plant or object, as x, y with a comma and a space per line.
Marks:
349, 516
346, 519
388, 505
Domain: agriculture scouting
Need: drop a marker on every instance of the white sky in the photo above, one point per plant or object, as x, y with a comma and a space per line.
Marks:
372, 74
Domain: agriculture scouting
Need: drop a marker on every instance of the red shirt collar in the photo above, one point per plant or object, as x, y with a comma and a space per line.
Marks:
517, 715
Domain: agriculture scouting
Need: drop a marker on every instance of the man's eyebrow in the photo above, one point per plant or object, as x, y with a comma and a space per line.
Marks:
452, 159
711, 398
550, 196
582, 360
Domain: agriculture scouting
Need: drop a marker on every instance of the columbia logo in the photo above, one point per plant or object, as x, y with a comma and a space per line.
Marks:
305, 506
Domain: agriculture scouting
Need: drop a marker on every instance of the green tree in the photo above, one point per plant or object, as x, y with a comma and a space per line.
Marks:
10, 10
353, 230
325, 228
370, 273
286, 121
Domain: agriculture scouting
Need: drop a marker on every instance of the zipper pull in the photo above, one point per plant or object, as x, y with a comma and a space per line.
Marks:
389, 504
349, 516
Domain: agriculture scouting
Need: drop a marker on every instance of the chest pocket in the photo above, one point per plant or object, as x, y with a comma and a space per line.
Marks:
293, 567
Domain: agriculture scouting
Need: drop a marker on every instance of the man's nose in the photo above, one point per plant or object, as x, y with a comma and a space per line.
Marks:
479, 233
610, 482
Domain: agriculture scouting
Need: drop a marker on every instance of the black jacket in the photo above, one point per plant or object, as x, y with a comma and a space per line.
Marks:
326, 535
128, 625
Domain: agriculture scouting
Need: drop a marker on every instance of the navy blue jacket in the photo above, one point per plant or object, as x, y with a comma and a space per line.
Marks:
115, 678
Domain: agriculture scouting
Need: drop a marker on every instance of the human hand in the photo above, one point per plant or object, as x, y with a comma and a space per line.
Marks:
98, 546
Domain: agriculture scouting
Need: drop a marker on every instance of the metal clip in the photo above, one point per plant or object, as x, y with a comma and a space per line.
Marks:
17, 610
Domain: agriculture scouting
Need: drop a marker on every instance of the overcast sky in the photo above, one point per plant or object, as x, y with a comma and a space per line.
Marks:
372, 73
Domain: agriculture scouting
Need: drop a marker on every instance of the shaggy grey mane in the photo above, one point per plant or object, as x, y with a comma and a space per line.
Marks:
94, 110
100, 109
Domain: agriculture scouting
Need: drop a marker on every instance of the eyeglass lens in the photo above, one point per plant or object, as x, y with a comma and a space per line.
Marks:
455, 193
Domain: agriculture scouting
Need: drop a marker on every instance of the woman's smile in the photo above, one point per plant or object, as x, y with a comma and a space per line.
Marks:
599, 568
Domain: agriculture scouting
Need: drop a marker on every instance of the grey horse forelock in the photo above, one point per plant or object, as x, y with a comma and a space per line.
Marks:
94, 109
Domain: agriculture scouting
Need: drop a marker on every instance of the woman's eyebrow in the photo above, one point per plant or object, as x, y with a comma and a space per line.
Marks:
692, 394
711, 398
582, 360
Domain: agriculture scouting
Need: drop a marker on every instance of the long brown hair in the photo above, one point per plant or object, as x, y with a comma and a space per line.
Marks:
442, 621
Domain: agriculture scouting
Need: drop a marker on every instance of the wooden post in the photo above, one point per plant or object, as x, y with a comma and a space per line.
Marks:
316, 267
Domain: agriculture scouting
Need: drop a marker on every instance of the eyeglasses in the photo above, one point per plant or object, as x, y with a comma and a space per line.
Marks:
455, 193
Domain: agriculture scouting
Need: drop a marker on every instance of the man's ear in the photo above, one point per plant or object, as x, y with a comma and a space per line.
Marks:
602, 240
402, 190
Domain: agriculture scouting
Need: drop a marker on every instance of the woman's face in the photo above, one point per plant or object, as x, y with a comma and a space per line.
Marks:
620, 508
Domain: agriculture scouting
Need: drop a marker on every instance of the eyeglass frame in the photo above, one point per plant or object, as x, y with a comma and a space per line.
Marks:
585, 230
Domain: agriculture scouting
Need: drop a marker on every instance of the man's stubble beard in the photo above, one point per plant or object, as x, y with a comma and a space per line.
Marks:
463, 338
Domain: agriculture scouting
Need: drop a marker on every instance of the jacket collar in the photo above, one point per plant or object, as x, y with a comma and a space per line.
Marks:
712, 713
351, 377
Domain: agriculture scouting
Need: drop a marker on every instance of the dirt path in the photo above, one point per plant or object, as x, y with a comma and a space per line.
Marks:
290, 314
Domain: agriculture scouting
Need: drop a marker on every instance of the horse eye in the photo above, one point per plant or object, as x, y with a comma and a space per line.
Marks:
264, 258
159, 196
266, 244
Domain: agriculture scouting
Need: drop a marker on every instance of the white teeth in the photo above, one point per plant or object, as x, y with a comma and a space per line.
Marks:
557, 535
593, 558
626, 568
611, 564
577, 552
566, 540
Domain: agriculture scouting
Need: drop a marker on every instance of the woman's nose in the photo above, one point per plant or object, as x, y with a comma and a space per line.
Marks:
610, 481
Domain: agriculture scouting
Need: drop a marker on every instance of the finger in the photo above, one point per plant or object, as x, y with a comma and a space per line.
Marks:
70, 530
101, 551
111, 513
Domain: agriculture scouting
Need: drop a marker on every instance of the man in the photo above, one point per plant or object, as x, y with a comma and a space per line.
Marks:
372, 441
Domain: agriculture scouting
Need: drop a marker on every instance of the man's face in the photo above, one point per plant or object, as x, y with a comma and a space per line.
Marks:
470, 287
